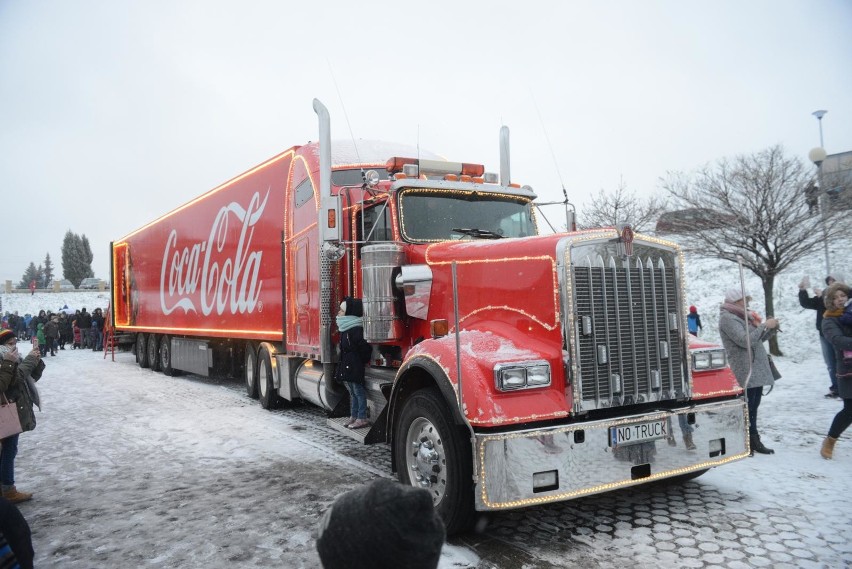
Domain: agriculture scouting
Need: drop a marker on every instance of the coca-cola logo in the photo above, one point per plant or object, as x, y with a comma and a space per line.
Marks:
215, 275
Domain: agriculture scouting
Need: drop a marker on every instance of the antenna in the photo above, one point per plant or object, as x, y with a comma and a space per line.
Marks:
345, 114
549, 146
570, 216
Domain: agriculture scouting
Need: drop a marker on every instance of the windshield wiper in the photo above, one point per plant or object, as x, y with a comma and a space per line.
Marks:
480, 233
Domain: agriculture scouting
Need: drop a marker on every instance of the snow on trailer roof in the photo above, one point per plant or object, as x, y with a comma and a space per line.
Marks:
345, 152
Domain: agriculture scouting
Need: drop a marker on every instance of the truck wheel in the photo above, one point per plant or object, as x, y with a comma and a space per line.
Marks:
142, 350
266, 388
250, 370
166, 356
433, 453
154, 352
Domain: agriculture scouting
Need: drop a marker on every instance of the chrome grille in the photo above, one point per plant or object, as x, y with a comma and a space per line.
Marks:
629, 341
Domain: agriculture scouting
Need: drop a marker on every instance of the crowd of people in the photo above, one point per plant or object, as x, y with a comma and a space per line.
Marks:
56, 330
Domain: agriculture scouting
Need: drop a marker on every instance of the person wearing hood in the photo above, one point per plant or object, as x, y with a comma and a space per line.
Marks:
739, 329
354, 354
42, 338
837, 330
16, 386
693, 321
817, 303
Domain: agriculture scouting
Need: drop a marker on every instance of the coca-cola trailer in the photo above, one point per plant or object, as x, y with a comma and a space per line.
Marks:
509, 368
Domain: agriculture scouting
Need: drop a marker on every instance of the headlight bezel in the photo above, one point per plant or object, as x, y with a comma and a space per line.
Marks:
519, 376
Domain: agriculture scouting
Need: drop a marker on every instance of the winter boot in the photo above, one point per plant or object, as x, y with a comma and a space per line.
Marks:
11, 493
757, 446
827, 450
687, 440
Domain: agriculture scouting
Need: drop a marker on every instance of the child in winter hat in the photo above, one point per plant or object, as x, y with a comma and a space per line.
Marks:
381, 525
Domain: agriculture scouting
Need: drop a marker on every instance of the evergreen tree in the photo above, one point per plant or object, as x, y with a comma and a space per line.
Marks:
48, 271
76, 258
29, 276
39, 279
87, 254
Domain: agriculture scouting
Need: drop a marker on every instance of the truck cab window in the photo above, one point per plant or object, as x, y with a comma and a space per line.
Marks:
376, 224
441, 215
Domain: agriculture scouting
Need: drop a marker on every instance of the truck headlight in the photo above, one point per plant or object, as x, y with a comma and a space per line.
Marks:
709, 359
521, 375
701, 361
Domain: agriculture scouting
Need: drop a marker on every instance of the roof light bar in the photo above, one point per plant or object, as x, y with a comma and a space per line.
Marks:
435, 167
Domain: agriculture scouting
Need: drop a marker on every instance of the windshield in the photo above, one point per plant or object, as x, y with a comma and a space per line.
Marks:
442, 215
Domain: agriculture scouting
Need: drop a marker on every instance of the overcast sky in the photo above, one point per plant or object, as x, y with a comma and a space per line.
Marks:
113, 112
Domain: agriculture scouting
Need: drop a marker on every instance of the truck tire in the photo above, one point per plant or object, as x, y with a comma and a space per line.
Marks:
269, 398
433, 453
154, 352
166, 357
250, 370
142, 350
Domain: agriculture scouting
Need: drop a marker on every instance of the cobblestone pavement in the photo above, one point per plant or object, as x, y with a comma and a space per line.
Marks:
701, 523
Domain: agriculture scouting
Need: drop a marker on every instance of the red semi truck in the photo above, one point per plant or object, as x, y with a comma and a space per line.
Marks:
509, 368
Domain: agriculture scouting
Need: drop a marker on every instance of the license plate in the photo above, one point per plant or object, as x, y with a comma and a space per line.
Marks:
638, 433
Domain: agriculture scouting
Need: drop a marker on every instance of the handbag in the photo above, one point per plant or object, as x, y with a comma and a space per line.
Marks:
775, 373
10, 422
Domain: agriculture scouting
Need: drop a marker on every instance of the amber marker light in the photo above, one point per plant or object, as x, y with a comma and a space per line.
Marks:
439, 328
332, 219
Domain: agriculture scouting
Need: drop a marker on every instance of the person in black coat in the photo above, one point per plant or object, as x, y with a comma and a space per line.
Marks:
15, 532
354, 354
839, 333
816, 302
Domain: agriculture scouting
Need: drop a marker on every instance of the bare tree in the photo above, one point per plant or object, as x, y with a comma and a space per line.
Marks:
622, 206
759, 213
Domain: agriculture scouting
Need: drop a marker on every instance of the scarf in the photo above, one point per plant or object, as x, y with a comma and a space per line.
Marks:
753, 317
833, 313
345, 323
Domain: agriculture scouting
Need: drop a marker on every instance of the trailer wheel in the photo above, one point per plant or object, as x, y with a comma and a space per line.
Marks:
142, 350
433, 453
154, 352
269, 399
250, 370
166, 356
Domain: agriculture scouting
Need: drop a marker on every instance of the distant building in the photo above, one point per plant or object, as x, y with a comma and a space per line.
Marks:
836, 179
687, 220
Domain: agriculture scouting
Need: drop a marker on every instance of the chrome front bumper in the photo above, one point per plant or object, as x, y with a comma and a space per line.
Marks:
579, 458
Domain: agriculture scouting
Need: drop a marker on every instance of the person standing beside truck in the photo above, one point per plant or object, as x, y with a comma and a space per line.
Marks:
734, 325
354, 354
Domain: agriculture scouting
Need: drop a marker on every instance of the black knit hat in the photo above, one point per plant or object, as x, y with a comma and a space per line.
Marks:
383, 524
354, 306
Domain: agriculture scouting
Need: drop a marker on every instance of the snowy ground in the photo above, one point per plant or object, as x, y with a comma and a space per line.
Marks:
135, 469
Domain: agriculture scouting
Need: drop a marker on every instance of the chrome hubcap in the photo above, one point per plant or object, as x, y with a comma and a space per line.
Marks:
426, 460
